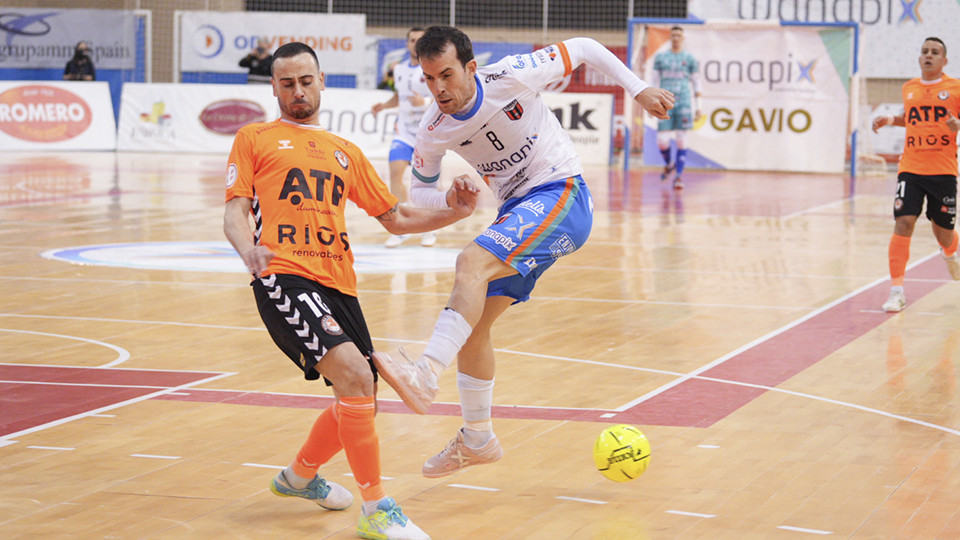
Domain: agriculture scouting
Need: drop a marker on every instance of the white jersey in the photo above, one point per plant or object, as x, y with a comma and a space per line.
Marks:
509, 135
408, 81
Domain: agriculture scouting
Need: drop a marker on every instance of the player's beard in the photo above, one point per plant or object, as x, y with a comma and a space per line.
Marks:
300, 114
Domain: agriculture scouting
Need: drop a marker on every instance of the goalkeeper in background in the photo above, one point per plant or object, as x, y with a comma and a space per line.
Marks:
677, 70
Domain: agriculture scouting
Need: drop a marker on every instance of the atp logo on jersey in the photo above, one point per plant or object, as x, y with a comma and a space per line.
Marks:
513, 110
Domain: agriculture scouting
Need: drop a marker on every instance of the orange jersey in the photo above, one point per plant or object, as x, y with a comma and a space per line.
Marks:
930, 147
300, 178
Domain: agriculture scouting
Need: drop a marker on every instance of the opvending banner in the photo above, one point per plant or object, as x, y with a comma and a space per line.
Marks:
892, 31
212, 41
774, 98
203, 118
44, 115
46, 38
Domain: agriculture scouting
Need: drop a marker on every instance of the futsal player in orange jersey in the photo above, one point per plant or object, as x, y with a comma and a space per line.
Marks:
293, 178
928, 166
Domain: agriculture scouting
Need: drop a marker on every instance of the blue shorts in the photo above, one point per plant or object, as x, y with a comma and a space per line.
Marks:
533, 231
400, 151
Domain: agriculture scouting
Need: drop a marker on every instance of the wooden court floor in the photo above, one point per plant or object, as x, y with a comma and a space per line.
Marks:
736, 322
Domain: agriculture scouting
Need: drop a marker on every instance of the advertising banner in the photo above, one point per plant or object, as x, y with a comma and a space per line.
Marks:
203, 118
212, 41
46, 38
891, 31
774, 98
42, 115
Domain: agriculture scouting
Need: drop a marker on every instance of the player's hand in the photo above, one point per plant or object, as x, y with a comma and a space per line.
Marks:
953, 123
881, 121
656, 101
377, 107
463, 195
257, 259
417, 100
697, 116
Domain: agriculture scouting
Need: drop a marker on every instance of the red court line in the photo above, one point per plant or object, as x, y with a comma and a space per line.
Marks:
694, 402
31, 396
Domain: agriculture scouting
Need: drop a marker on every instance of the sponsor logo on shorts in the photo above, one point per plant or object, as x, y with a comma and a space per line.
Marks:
897, 203
562, 246
536, 207
530, 263
330, 325
500, 239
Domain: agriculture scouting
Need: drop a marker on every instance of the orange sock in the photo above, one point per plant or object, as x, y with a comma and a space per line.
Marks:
321, 445
899, 253
358, 434
952, 248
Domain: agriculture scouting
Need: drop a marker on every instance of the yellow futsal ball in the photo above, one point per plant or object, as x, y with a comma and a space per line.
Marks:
621, 452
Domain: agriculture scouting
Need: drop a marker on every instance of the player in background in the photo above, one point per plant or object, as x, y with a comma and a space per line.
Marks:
411, 97
677, 70
293, 179
928, 165
495, 118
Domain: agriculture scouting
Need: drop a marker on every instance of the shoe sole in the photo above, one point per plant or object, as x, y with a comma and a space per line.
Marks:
408, 394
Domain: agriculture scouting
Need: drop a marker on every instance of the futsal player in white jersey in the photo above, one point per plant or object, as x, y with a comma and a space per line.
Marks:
411, 97
495, 118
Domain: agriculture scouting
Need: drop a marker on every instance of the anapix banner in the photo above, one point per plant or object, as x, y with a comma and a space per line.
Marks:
213, 41
774, 98
43, 115
203, 118
46, 38
891, 30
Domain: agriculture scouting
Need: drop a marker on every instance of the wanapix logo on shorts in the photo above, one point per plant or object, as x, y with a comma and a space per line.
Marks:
513, 110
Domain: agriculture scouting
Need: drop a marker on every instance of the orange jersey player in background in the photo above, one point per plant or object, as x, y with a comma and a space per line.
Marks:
293, 180
928, 166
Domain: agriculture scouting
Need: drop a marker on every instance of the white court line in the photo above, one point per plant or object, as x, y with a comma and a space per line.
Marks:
801, 529
708, 446
50, 448
578, 499
104, 415
68, 419
468, 486
381, 476
154, 456
122, 354
695, 373
691, 514
262, 466
819, 207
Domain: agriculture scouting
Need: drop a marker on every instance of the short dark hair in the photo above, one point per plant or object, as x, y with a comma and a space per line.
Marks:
435, 39
676, 28
291, 49
414, 29
938, 40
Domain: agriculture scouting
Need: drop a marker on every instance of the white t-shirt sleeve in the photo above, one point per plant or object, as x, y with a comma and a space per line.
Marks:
588, 51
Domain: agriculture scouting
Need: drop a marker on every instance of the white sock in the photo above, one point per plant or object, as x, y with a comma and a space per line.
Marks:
296, 481
370, 507
898, 288
476, 400
449, 335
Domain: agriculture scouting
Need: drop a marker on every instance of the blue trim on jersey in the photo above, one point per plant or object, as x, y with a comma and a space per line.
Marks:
476, 106
425, 179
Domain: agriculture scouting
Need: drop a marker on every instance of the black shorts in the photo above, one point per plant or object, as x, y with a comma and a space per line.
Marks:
939, 190
306, 319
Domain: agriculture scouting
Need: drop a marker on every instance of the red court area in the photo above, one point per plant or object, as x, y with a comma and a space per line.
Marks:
31, 396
